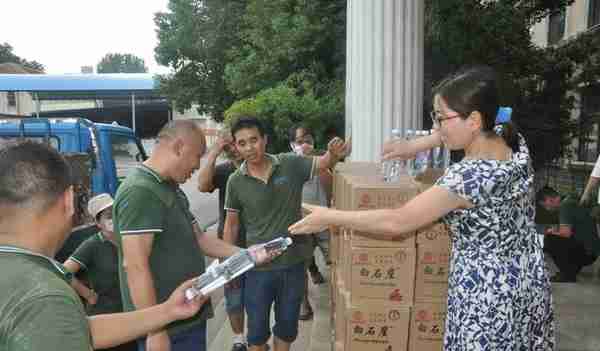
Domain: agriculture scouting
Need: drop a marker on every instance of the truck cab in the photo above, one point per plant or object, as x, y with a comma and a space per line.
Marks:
101, 156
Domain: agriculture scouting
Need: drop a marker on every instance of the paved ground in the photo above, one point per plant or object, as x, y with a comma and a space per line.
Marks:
577, 307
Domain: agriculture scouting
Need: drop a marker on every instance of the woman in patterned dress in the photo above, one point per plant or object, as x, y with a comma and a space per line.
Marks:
499, 294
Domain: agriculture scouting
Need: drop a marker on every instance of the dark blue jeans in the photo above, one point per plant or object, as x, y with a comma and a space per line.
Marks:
234, 298
193, 339
282, 287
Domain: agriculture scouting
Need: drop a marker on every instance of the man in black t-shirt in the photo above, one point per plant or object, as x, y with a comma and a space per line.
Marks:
573, 241
214, 176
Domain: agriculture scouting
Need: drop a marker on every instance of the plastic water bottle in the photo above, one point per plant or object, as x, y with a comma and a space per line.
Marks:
397, 165
409, 163
446, 159
393, 168
218, 274
436, 155
421, 161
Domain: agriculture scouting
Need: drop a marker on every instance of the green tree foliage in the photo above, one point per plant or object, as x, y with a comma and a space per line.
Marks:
121, 63
194, 37
539, 81
7, 55
292, 52
273, 57
284, 38
282, 107
225, 50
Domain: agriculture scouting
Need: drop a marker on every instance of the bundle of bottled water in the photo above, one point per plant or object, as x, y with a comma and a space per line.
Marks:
438, 157
219, 274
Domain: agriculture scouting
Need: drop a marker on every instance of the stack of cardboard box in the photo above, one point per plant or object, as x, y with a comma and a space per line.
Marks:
387, 295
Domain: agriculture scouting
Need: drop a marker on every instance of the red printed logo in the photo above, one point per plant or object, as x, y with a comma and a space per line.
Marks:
365, 201
396, 295
358, 316
362, 257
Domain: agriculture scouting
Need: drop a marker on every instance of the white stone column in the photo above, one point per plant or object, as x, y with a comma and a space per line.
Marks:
384, 72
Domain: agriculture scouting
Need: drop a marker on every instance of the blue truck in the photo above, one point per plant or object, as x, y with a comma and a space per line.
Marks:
101, 155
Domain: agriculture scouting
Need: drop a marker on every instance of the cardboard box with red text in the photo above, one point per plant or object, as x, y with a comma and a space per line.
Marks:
431, 283
382, 275
436, 234
373, 327
427, 327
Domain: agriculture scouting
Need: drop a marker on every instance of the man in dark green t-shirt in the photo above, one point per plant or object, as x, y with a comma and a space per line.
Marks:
213, 176
574, 242
160, 243
265, 195
97, 259
38, 308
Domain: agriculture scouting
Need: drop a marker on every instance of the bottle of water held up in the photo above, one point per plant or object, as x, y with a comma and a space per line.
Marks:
437, 155
393, 168
397, 165
409, 163
218, 274
423, 157
446, 158
420, 163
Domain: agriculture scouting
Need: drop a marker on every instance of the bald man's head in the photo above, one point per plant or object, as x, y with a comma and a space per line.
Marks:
181, 145
181, 129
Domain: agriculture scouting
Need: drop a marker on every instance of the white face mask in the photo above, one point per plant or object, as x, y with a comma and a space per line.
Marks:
299, 150
296, 148
108, 225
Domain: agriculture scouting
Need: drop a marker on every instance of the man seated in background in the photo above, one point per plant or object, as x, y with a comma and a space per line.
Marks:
573, 243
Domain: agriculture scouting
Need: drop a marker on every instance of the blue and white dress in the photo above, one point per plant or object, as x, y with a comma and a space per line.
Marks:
499, 294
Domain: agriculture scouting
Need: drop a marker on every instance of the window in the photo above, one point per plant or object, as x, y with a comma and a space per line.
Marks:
12, 98
594, 13
126, 153
589, 121
556, 27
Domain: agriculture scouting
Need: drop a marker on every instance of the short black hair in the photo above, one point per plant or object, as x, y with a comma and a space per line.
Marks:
32, 174
247, 123
545, 193
293, 129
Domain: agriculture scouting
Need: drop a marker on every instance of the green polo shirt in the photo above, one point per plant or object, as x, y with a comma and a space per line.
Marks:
146, 203
267, 209
582, 224
99, 261
38, 308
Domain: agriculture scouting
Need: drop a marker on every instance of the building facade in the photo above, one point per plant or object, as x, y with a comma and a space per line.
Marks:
571, 174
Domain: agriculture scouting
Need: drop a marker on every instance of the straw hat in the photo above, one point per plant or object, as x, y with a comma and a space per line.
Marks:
99, 203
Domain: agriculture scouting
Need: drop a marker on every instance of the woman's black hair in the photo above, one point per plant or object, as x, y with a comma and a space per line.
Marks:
476, 89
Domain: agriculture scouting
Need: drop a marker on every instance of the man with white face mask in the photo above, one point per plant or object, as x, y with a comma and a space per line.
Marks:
314, 192
97, 258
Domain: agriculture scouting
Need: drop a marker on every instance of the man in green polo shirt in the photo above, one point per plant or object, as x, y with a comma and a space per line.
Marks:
265, 195
574, 242
160, 242
38, 308
97, 259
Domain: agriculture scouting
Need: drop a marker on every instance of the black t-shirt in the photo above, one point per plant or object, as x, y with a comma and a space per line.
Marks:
220, 178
